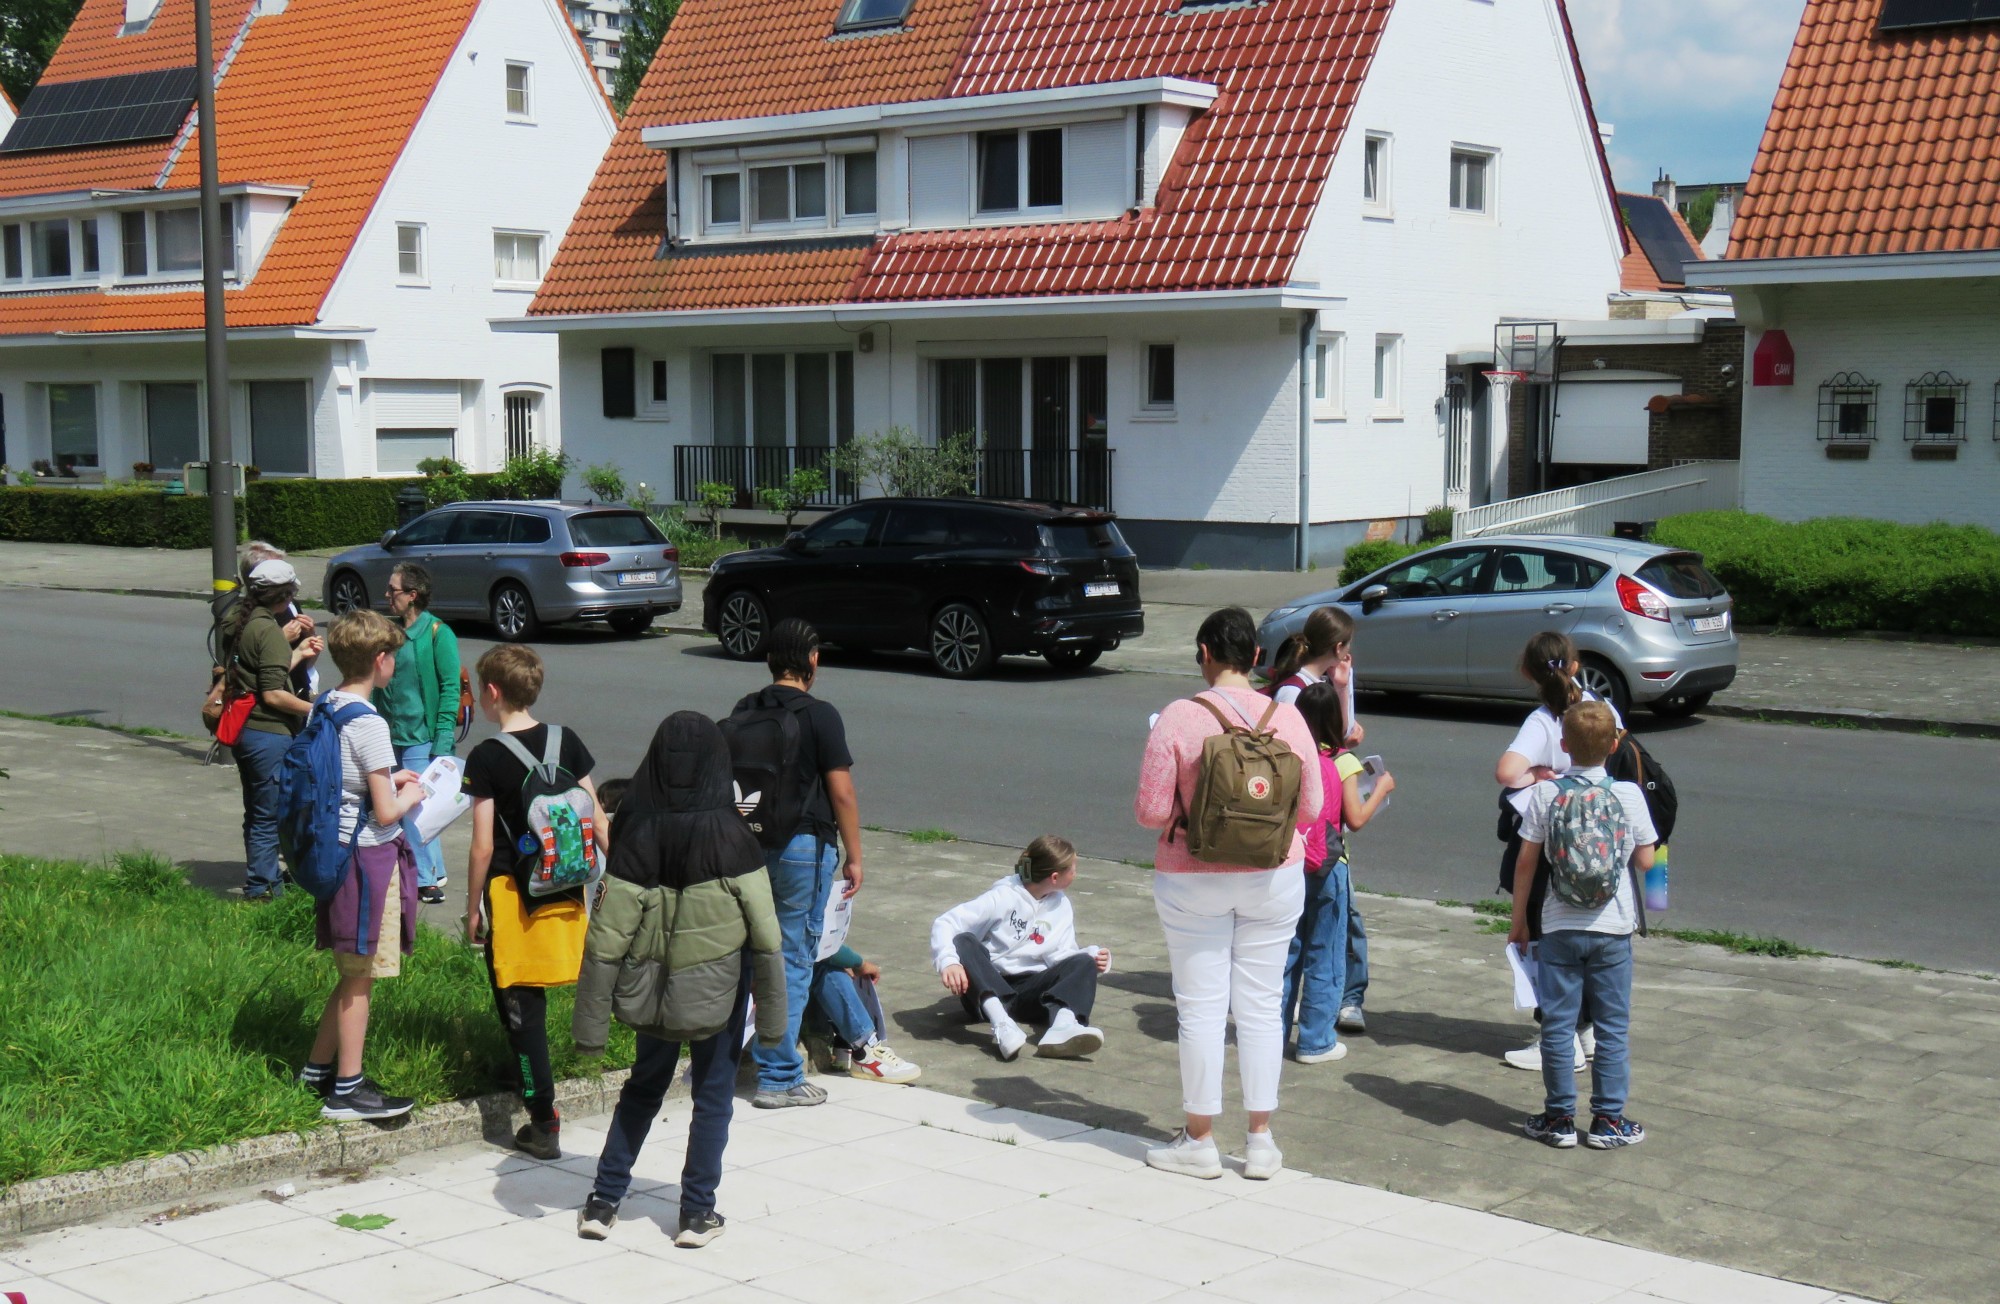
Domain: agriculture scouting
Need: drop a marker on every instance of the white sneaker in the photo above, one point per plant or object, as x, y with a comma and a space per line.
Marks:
877, 1063
1009, 1038
1068, 1039
1336, 1051
1529, 1057
1587, 1044
1262, 1160
1183, 1154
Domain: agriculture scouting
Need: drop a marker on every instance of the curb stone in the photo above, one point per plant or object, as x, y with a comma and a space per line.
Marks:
1877, 720
49, 1202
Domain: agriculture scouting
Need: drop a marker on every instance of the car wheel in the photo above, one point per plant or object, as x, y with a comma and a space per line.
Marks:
629, 623
1601, 681
1680, 708
513, 613
1074, 658
347, 593
960, 646
743, 625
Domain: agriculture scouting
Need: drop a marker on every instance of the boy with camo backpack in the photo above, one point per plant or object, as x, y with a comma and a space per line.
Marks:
1599, 834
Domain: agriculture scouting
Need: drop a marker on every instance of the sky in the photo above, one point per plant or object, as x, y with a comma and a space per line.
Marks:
1686, 83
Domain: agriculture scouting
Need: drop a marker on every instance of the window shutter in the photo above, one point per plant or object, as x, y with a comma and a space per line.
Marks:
1096, 176
940, 181
620, 368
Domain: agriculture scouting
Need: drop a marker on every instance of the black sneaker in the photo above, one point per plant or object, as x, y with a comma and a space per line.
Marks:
542, 1140
322, 1087
1558, 1130
364, 1102
1608, 1133
431, 896
698, 1230
596, 1219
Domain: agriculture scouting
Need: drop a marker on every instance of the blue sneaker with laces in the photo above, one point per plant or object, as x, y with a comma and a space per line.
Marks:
1608, 1133
1558, 1130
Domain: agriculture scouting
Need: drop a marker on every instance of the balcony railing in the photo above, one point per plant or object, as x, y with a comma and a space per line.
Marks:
1062, 475
748, 469
1081, 476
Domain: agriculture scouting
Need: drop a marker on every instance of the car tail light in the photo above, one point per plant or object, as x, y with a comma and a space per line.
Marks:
1640, 600
1658, 674
581, 559
1036, 566
672, 554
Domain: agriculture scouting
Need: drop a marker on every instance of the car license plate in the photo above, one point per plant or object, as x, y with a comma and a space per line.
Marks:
639, 577
1709, 624
1101, 589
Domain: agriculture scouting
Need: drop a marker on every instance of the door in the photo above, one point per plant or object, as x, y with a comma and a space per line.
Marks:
1050, 398
463, 569
821, 581
1415, 638
1528, 590
912, 572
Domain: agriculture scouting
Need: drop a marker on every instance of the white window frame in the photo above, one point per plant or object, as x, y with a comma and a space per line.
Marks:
708, 225
1148, 409
541, 239
1382, 202
96, 419
650, 407
1388, 377
792, 221
232, 251
526, 113
837, 162
791, 356
1490, 182
1329, 388
421, 275
1021, 210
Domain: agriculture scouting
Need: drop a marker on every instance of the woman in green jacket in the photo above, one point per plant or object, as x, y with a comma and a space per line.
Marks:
421, 702
683, 930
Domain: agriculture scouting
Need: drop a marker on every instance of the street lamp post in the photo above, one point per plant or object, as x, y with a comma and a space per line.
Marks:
215, 325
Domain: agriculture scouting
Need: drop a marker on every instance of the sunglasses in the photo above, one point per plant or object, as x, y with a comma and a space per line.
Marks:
395, 592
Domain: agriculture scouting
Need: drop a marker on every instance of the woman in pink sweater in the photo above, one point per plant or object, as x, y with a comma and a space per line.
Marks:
1228, 927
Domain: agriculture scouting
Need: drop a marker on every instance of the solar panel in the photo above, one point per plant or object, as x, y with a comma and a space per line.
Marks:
102, 110
1659, 235
1902, 15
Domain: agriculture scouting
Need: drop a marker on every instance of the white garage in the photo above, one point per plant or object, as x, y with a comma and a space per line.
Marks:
1601, 416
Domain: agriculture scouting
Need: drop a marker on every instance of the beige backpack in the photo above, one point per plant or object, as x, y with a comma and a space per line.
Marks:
1246, 795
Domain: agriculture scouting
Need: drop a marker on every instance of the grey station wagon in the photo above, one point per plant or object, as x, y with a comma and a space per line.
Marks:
523, 565
1654, 628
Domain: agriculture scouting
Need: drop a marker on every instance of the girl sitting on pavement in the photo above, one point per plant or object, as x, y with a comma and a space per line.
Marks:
1011, 954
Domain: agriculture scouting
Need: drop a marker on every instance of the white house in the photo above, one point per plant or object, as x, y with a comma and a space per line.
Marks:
1225, 268
1864, 263
393, 179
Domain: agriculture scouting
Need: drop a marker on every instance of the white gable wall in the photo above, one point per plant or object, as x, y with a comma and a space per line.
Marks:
467, 170
1451, 72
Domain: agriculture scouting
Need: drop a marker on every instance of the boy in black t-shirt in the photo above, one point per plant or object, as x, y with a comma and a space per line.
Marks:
532, 943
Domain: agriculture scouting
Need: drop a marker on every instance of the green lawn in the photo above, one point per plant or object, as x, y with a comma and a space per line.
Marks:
144, 1017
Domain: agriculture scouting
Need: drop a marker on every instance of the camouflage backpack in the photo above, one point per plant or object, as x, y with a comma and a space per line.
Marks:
1589, 845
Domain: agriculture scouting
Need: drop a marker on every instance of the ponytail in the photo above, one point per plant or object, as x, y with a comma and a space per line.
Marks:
1045, 857
1546, 662
1326, 630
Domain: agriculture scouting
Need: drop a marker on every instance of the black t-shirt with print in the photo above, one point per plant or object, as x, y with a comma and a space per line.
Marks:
493, 772
822, 747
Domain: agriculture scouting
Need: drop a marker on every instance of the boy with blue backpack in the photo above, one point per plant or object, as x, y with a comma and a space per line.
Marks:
1599, 834
343, 802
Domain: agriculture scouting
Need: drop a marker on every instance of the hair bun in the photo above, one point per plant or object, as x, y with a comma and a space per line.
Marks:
1024, 868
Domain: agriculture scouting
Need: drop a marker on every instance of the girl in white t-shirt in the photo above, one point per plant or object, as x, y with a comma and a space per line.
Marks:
1320, 650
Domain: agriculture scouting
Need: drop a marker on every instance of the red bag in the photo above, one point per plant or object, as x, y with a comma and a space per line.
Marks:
229, 729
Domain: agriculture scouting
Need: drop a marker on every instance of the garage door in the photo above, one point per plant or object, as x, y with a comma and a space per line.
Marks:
414, 420
1605, 421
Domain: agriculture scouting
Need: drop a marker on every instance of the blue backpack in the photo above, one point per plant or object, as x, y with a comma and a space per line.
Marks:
310, 794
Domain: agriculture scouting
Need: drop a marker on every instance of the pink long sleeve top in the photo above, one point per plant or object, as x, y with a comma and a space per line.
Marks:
1173, 760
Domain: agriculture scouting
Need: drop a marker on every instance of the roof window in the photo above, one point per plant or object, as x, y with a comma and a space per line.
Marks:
868, 15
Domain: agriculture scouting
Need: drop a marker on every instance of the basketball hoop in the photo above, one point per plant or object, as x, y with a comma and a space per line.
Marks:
1503, 377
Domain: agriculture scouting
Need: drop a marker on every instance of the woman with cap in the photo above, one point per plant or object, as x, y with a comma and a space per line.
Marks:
260, 660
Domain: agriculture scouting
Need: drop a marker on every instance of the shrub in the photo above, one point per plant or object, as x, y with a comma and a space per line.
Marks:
698, 546
804, 484
714, 498
906, 467
536, 474
1842, 574
445, 481
1437, 524
125, 518
606, 483
1373, 555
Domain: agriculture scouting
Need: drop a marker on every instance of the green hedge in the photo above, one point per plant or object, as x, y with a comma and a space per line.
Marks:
126, 518
1373, 555
1842, 574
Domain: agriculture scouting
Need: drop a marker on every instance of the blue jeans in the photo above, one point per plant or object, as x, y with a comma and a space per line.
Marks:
430, 856
258, 757
1357, 956
1585, 977
801, 876
838, 1000
712, 1083
1316, 965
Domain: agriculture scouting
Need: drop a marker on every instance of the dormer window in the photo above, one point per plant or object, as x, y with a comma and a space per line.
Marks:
870, 15
1020, 171
793, 192
725, 200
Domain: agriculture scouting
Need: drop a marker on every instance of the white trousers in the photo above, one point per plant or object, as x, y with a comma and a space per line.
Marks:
1227, 937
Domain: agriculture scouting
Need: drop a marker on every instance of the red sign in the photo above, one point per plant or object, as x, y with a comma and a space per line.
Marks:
1772, 363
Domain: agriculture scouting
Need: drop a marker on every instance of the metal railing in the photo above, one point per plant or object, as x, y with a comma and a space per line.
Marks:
748, 469
1065, 475
1594, 508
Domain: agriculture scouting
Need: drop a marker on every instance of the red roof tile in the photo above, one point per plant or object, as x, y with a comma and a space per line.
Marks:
1876, 143
1636, 273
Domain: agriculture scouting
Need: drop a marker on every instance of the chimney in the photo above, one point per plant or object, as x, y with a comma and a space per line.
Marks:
1665, 190
138, 13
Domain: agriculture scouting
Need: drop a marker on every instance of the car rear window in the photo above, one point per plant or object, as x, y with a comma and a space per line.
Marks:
1681, 575
613, 530
1092, 539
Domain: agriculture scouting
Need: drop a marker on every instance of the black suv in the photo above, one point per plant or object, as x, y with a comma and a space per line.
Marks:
966, 579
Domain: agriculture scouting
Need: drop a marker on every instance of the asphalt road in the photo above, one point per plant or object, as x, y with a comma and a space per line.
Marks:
1869, 844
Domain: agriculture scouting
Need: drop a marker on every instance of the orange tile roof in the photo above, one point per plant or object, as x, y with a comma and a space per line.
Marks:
322, 96
1877, 143
1636, 273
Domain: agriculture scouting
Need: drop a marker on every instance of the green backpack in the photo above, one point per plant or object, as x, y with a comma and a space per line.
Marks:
1246, 795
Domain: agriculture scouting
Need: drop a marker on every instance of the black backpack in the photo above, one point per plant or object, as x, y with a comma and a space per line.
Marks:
1632, 763
764, 742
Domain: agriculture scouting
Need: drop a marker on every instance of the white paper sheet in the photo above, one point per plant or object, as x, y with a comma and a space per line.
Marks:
444, 797
839, 913
1372, 769
1522, 961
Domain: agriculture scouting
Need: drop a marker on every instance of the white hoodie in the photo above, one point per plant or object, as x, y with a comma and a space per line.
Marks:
1022, 934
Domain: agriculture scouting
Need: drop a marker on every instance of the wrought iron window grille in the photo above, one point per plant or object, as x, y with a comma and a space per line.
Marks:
1934, 409
1847, 409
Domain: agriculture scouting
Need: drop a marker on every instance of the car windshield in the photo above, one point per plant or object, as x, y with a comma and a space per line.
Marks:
1681, 575
613, 530
1085, 539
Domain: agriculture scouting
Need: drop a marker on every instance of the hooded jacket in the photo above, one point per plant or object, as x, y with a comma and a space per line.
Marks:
686, 897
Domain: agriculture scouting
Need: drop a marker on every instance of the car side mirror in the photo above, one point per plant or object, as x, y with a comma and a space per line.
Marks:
388, 539
1374, 596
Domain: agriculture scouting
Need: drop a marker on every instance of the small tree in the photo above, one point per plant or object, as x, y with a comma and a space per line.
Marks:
605, 482
804, 484
538, 473
714, 498
645, 23
906, 467
445, 481
641, 498
1701, 213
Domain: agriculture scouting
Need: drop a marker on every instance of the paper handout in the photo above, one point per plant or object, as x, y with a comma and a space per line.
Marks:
443, 782
838, 915
1522, 961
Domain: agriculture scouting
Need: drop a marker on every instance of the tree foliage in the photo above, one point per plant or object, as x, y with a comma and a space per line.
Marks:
30, 30
904, 466
645, 24
1701, 213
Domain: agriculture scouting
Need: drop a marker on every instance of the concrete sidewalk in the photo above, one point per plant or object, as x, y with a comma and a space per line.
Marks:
1824, 1121
881, 1196
1865, 681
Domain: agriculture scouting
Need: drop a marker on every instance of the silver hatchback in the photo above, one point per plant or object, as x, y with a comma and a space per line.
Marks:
1653, 627
523, 565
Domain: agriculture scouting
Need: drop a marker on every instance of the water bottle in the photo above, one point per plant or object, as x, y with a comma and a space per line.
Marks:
1656, 882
